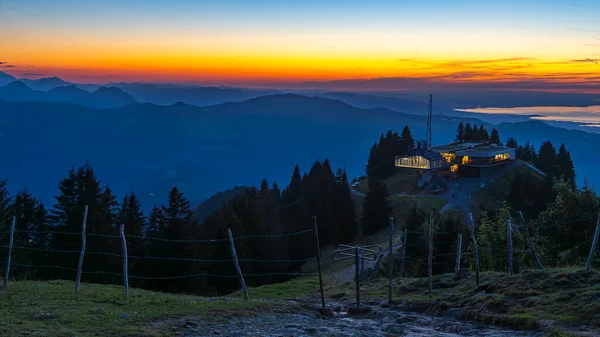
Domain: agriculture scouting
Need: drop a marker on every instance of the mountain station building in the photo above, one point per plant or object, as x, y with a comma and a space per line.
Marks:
472, 160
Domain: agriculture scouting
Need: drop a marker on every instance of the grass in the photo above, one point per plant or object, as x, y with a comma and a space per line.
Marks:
98, 310
494, 194
403, 181
566, 296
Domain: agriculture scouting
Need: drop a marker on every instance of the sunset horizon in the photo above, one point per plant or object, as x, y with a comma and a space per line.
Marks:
547, 46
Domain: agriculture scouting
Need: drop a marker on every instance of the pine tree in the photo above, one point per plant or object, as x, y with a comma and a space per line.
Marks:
483, 135
511, 143
460, 133
376, 208
345, 226
469, 133
155, 222
565, 167
546, 160
179, 224
495, 137
79, 189
31, 224
5, 211
132, 218
416, 243
407, 140
66, 216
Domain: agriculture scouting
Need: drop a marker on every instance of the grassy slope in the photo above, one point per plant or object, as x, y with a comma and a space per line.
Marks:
96, 310
492, 195
403, 181
567, 296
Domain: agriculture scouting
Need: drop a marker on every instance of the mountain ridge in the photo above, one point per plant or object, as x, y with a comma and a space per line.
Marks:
102, 98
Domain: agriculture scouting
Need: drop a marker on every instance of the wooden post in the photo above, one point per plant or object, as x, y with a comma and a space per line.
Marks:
475, 250
10, 244
528, 235
390, 262
510, 248
404, 235
80, 265
319, 263
125, 269
458, 254
357, 276
430, 259
237, 265
588, 265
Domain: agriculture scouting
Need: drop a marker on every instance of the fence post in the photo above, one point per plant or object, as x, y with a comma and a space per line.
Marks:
125, 269
357, 276
80, 265
390, 262
458, 254
594, 244
528, 235
430, 259
237, 265
475, 250
404, 235
319, 263
10, 244
510, 248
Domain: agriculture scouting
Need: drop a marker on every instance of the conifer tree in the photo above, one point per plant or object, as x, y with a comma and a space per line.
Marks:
376, 208
30, 217
495, 137
345, 226
460, 133
132, 218
546, 160
179, 224
565, 167
416, 243
407, 140
511, 143
483, 135
469, 133
5, 211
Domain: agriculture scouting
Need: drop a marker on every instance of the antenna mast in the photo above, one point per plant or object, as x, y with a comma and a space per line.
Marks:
429, 122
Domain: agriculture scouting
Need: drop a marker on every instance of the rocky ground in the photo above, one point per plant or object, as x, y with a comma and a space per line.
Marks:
339, 320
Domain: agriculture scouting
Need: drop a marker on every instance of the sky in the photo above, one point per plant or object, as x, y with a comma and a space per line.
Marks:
539, 45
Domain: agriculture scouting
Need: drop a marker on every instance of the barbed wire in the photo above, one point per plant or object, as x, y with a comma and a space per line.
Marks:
164, 277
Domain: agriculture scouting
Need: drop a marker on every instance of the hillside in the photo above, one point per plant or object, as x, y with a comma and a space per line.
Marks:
211, 204
149, 148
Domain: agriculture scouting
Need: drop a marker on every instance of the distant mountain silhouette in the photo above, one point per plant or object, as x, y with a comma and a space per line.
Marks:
110, 97
18, 91
166, 94
45, 84
150, 148
69, 93
211, 204
6, 79
103, 98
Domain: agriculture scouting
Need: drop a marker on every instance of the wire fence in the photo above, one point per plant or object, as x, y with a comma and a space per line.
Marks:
234, 260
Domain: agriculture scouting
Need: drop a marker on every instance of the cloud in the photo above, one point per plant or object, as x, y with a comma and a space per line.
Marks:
4, 65
2, 62
31, 74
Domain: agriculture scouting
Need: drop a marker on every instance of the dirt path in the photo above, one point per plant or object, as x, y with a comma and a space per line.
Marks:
308, 322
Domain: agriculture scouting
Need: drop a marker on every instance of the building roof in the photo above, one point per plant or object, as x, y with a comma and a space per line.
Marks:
485, 151
454, 147
427, 154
